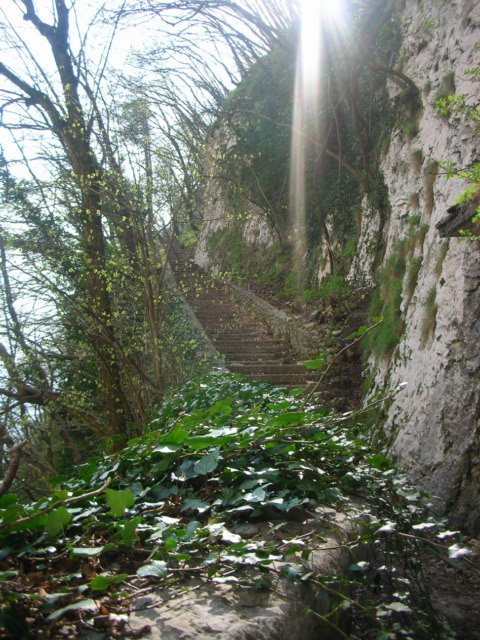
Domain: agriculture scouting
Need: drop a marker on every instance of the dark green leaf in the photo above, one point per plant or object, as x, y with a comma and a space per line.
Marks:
119, 501
292, 419
56, 521
156, 569
206, 464
177, 436
100, 583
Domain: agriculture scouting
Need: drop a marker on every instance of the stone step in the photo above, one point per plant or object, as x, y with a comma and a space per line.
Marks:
249, 346
294, 379
267, 369
256, 358
236, 336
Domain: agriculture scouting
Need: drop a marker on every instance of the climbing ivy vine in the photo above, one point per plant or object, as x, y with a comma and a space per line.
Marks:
173, 504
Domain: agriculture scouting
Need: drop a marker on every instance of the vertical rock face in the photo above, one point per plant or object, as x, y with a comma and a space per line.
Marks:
220, 214
433, 424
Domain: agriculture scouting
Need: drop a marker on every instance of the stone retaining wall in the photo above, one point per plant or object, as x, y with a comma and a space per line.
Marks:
303, 342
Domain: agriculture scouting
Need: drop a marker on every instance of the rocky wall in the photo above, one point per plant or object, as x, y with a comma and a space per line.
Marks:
219, 212
433, 424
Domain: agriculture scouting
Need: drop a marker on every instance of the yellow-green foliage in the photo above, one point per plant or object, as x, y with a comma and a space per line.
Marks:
447, 87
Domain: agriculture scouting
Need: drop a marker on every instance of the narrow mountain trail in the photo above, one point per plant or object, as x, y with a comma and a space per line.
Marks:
247, 345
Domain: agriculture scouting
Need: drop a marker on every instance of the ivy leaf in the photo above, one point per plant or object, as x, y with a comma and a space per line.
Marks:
207, 463
447, 534
86, 552
292, 571
356, 334
83, 605
128, 531
455, 552
200, 442
156, 569
222, 406
393, 607
177, 436
197, 505
8, 499
229, 537
258, 495
390, 527
317, 363
167, 448
100, 583
292, 419
56, 521
119, 501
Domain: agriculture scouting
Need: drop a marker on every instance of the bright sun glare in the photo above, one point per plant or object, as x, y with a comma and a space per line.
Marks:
317, 18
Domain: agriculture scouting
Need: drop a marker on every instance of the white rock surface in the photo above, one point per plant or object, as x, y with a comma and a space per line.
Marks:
218, 214
433, 424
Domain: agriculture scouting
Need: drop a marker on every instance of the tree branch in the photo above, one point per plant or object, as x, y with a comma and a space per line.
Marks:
15, 452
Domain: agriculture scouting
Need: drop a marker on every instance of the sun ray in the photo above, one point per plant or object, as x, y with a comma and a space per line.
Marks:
317, 18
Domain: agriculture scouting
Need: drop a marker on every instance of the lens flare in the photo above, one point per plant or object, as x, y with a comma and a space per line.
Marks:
317, 18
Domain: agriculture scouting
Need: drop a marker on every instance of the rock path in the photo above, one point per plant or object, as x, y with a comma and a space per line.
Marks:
246, 344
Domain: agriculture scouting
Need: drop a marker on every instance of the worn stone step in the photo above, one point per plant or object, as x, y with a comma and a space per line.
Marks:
236, 336
295, 379
231, 349
267, 369
256, 358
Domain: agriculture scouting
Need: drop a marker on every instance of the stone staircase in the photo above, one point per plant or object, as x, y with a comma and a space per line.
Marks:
245, 343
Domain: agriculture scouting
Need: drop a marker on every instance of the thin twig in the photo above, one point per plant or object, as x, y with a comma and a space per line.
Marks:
55, 505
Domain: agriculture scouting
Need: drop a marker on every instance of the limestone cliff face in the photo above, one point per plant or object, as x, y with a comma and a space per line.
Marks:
433, 425
220, 213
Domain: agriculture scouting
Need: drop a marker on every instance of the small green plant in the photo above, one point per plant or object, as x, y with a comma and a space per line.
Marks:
473, 74
410, 128
414, 220
189, 238
454, 104
430, 316
472, 176
447, 87
416, 233
451, 104
417, 159
333, 285
386, 303
469, 195
429, 23
412, 277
